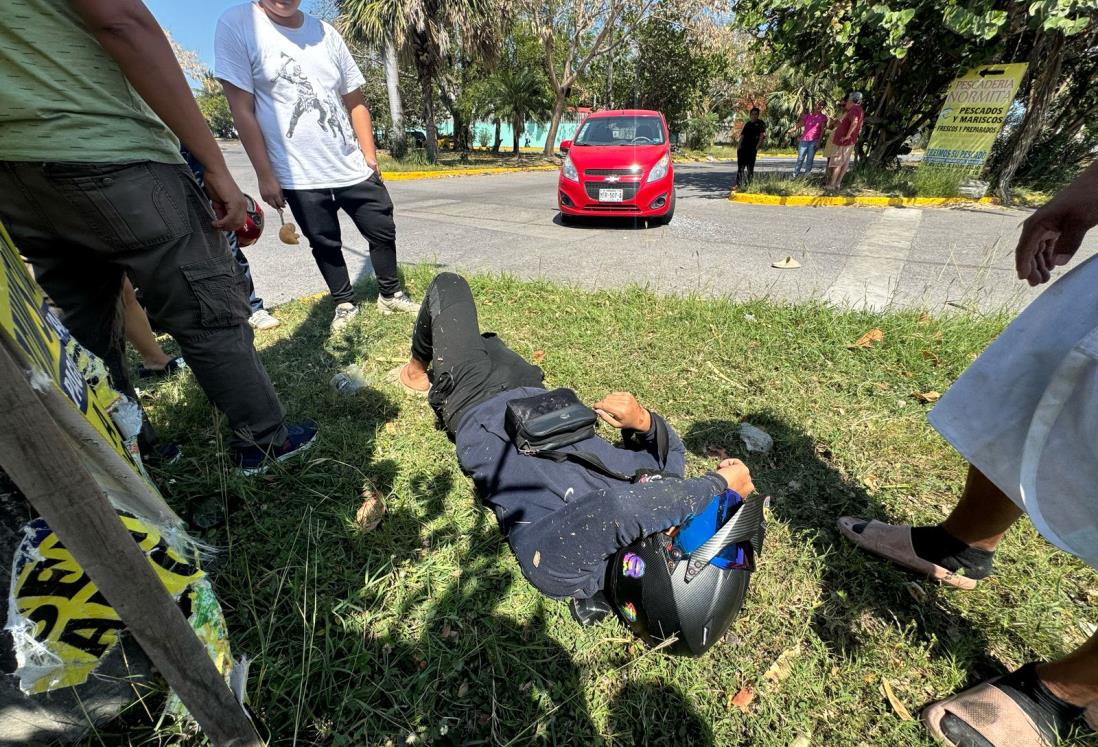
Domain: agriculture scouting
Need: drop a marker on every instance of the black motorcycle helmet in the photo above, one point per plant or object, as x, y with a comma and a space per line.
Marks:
661, 592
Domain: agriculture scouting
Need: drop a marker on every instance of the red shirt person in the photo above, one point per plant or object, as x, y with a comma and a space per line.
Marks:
844, 139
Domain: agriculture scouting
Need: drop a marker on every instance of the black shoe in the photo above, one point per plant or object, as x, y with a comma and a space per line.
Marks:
255, 460
175, 364
590, 611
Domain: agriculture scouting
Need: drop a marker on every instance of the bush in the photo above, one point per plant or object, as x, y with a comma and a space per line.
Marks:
215, 108
700, 131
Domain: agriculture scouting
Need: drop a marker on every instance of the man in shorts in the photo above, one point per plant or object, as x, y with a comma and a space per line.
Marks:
844, 140
1025, 416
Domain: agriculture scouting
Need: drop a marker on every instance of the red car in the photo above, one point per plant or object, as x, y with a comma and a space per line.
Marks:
619, 164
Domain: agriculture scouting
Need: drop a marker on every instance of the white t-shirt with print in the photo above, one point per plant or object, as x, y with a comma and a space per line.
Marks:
298, 78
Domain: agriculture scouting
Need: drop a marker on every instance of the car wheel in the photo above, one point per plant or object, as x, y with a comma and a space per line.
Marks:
664, 219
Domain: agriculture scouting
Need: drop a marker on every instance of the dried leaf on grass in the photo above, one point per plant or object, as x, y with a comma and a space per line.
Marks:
801, 741
869, 339
901, 710
783, 667
927, 397
933, 357
743, 699
370, 513
538, 356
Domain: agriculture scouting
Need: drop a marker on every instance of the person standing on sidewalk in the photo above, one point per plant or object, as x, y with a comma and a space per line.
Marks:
291, 83
1024, 416
844, 139
751, 139
95, 191
812, 129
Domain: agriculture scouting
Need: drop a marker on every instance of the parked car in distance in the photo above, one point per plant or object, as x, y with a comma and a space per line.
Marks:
618, 165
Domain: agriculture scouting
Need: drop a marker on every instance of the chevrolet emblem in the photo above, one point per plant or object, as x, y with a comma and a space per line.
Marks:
613, 179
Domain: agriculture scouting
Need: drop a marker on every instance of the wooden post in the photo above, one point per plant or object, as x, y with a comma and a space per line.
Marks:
37, 455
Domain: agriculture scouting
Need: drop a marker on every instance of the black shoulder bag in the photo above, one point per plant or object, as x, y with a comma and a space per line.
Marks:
540, 425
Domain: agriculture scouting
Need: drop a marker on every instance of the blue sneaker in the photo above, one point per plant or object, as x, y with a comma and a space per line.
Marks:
255, 460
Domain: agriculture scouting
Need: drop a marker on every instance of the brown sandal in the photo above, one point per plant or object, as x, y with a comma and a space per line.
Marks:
989, 712
893, 542
396, 377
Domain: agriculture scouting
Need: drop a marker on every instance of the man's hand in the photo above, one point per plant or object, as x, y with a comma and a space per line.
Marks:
229, 203
738, 477
622, 410
271, 192
1052, 235
375, 167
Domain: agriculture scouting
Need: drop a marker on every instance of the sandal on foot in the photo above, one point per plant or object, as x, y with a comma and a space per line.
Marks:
893, 542
988, 715
395, 377
175, 364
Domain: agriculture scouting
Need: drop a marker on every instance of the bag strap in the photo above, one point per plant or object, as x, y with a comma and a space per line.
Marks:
584, 459
592, 462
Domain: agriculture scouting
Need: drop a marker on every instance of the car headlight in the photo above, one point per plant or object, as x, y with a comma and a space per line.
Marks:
659, 171
568, 169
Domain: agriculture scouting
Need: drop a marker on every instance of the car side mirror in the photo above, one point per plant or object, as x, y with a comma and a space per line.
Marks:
565, 146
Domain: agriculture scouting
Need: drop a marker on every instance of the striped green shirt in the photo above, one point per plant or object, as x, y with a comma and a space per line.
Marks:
62, 98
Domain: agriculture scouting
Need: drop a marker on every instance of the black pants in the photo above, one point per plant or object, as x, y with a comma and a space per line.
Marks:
254, 301
82, 226
466, 367
371, 209
745, 159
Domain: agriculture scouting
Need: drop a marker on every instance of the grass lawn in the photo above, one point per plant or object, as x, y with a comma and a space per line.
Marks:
449, 160
425, 627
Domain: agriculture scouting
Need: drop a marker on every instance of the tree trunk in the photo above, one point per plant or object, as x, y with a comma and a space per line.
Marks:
554, 124
398, 144
499, 136
1045, 64
429, 117
516, 128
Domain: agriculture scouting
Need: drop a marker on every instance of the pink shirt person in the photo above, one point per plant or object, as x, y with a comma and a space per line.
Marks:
813, 125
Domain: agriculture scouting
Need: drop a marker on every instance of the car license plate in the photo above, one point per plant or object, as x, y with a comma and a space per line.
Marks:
611, 195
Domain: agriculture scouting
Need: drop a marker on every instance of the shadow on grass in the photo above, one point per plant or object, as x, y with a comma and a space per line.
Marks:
810, 494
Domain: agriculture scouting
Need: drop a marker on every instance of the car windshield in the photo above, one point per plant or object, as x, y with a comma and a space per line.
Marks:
623, 130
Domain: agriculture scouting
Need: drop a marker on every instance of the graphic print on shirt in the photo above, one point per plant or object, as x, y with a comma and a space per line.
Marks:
329, 114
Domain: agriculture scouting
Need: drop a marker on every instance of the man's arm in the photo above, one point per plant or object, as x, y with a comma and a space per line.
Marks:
128, 33
1052, 235
363, 125
242, 105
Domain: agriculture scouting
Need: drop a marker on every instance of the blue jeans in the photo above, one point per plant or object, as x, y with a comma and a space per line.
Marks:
806, 152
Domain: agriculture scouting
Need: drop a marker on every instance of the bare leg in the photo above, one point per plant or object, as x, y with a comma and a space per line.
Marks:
139, 331
983, 515
1074, 679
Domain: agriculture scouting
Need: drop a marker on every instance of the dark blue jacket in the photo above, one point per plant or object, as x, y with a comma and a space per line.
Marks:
563, 521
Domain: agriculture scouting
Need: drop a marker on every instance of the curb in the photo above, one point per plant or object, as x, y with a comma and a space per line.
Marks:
400, 176
821, 201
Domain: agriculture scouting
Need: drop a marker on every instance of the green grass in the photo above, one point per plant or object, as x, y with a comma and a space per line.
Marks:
426, 627
904, 181
415, 160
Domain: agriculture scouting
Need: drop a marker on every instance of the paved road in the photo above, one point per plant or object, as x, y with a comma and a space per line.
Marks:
508, 223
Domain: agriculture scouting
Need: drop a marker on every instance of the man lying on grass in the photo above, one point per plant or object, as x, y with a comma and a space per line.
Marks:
610, 527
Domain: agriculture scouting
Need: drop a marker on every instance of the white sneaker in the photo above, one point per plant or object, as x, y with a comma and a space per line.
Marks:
399, 302
344, 313
262, 320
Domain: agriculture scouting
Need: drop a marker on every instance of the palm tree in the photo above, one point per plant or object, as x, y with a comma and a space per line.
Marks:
425, 32
520, 94
795, 97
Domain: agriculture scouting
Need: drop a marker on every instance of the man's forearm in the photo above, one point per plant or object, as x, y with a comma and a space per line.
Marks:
251, 137
132, 37
362, 124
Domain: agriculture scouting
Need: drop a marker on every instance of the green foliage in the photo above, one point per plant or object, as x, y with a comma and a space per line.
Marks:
700, 130
215, 108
